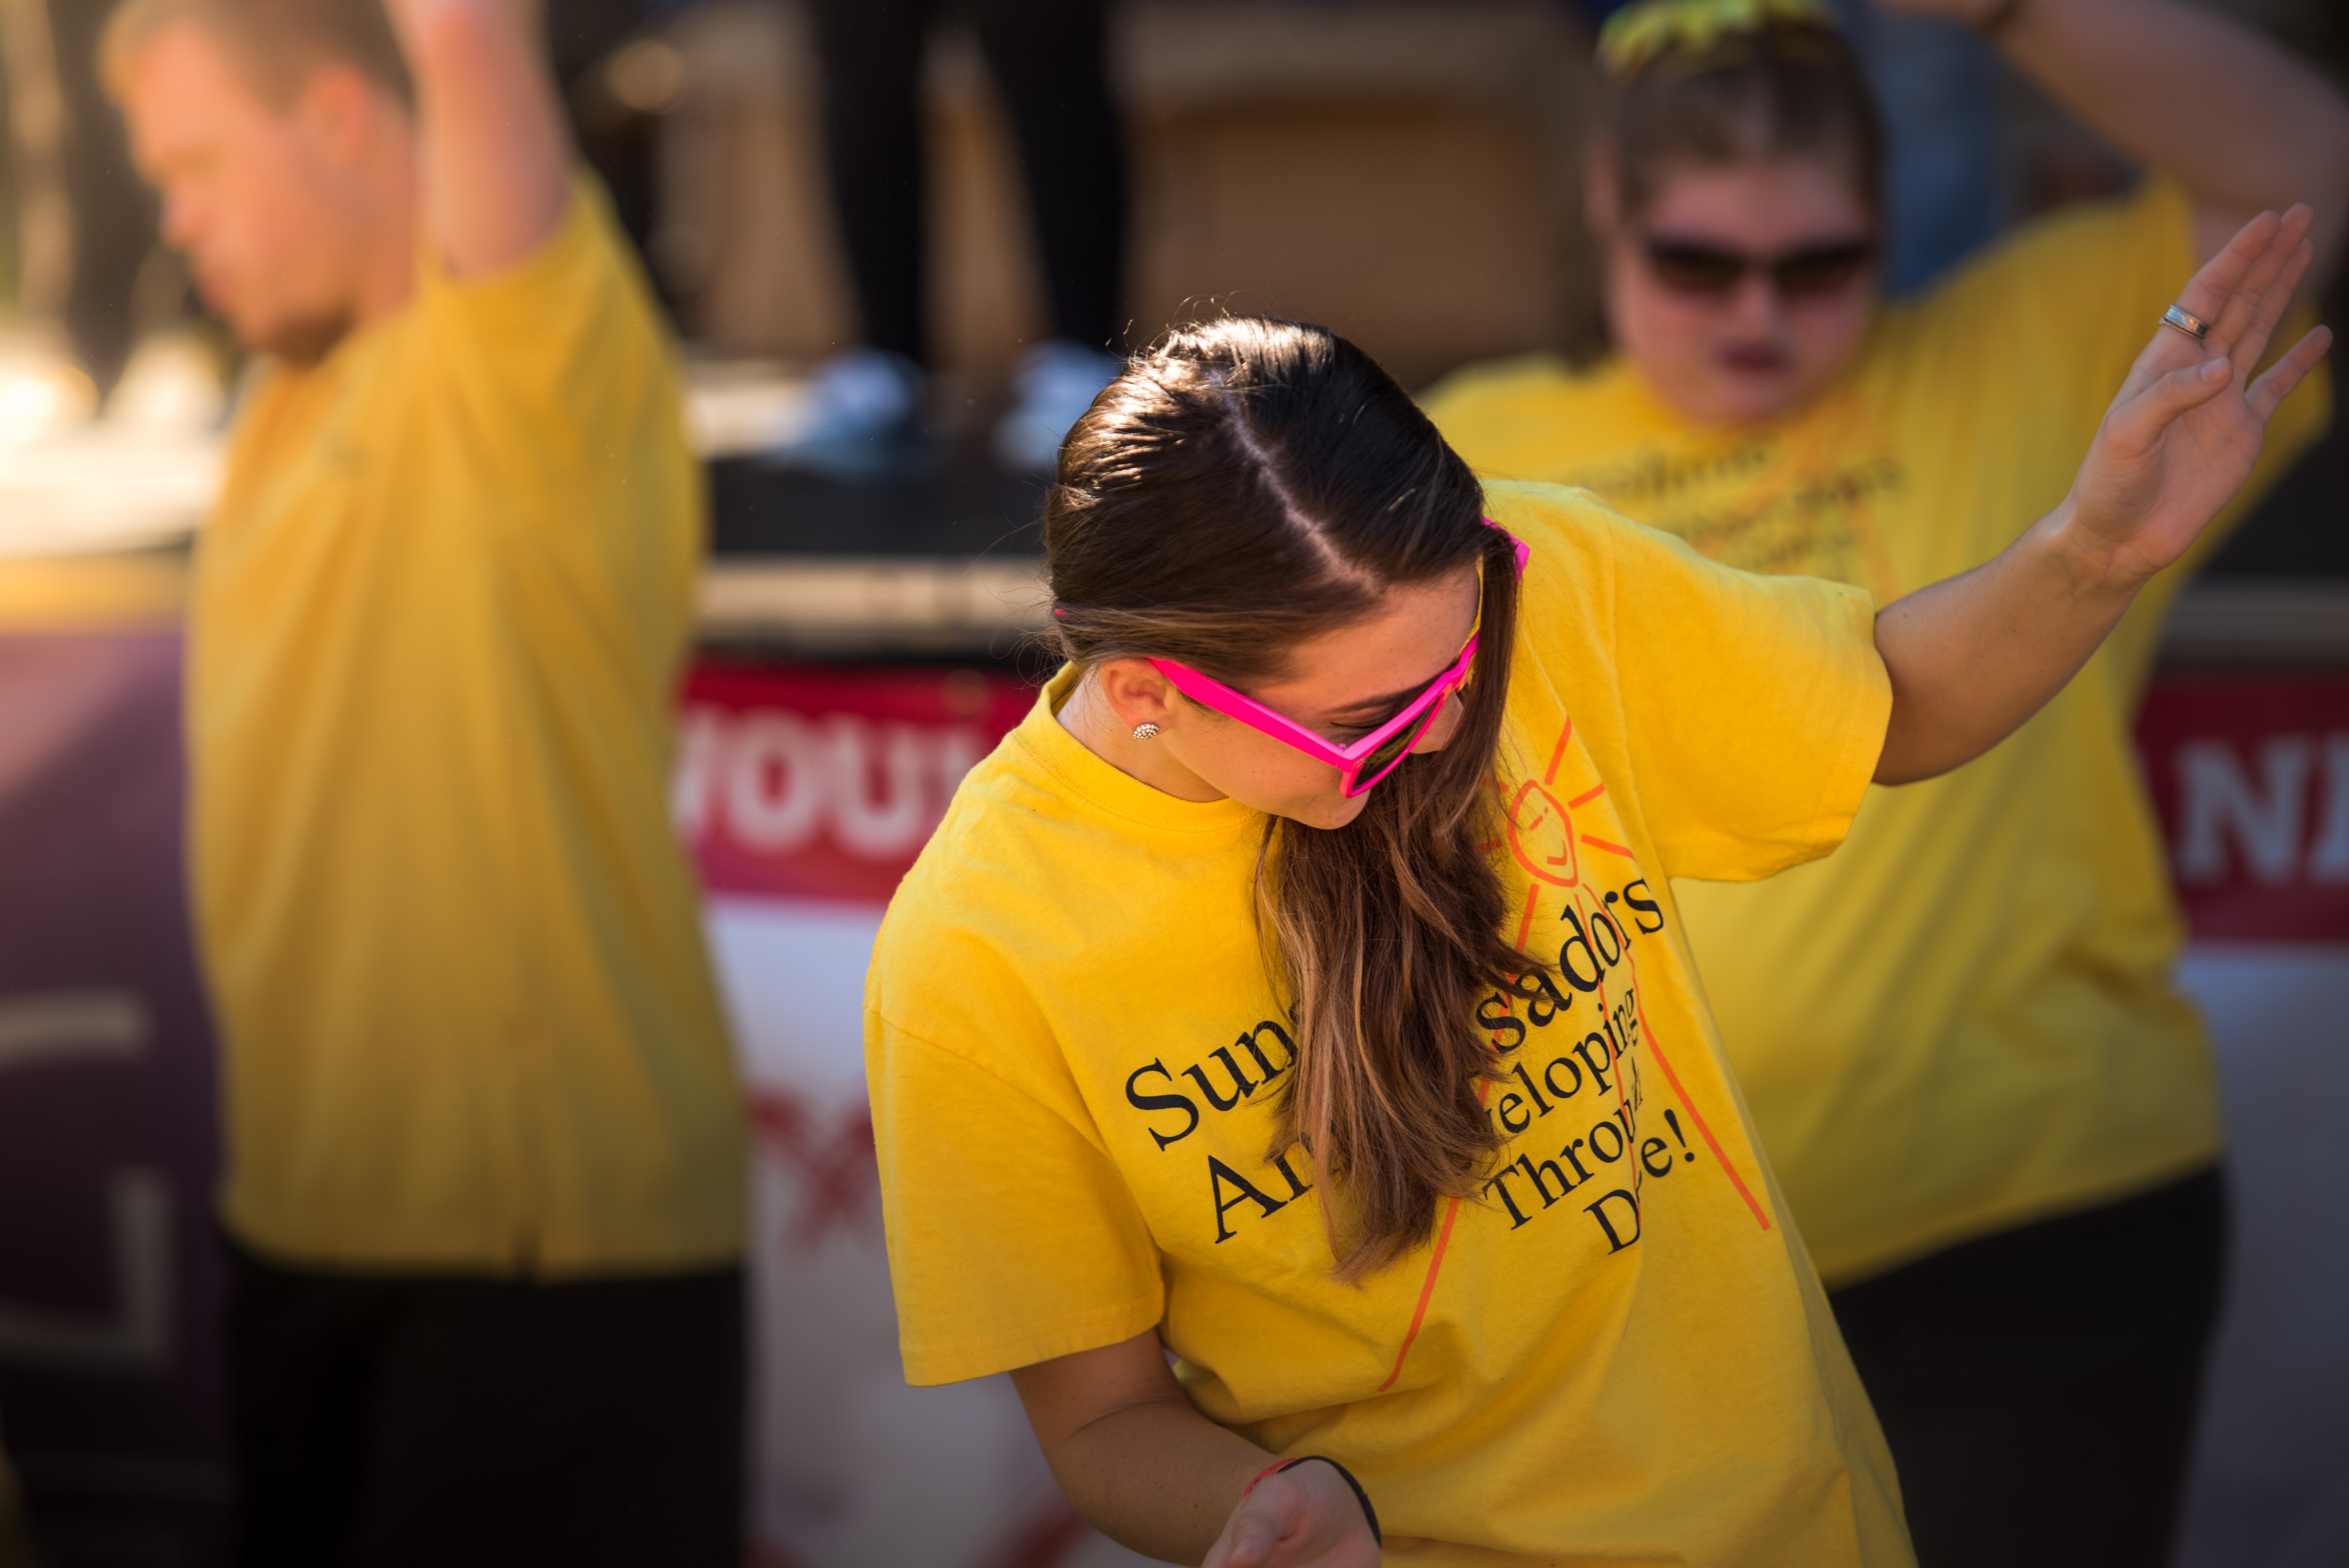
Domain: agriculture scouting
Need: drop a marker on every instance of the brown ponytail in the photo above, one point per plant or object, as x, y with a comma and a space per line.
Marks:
1246, 485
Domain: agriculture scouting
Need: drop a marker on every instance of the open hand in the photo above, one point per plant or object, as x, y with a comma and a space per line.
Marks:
2181, 437
1306, 1517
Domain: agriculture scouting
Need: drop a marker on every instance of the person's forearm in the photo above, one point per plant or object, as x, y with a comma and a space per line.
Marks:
1146, 1469
2232, 116
1159, 1477
495, 146
1974, 655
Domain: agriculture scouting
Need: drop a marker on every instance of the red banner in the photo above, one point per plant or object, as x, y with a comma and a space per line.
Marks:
2250, 775
823, 781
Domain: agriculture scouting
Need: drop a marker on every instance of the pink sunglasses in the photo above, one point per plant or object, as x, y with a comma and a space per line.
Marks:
1366, 762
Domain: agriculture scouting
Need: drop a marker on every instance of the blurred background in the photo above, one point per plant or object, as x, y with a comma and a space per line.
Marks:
1406, 173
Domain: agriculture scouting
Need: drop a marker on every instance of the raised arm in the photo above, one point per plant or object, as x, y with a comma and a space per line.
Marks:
1972, 656
1143, 1466
496, 152
2238, 121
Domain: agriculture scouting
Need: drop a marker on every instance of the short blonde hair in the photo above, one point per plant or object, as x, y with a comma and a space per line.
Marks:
282, 43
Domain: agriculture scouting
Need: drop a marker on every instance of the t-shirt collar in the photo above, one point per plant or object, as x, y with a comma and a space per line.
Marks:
1103, 786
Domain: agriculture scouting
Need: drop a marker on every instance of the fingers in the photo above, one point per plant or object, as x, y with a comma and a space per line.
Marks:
1253, 1532
2242, 304
2287, 372
1247, 1543
2247, 350
2208, 294
2141, 420
2272, 276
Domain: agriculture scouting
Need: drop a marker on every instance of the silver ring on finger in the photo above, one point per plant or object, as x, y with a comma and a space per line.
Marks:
2186, 322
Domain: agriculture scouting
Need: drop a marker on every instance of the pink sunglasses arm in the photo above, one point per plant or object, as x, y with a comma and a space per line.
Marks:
1240, 705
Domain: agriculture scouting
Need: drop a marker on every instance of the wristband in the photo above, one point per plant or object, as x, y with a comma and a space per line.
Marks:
1370, 1515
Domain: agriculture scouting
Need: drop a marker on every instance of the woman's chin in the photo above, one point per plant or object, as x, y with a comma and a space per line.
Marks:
1327, 811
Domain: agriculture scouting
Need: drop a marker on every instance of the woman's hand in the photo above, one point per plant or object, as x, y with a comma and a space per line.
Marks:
1304, 1517
2183, 433
1972, 656
1147, 1469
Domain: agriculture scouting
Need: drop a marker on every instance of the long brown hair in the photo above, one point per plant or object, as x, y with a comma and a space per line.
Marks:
1244, 486
1782, 90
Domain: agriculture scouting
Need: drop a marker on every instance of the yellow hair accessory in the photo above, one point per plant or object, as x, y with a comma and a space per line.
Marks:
1642, 33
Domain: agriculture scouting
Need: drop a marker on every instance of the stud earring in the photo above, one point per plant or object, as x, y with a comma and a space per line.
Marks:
1146, 732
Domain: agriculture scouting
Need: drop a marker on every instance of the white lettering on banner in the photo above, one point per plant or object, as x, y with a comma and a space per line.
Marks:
776, 774
71, 1027
136, 1335
698, 734
775, 781
2328, 861
893, 821
2266, 820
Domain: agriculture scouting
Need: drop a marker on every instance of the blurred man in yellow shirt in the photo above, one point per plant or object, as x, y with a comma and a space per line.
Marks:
484, 1152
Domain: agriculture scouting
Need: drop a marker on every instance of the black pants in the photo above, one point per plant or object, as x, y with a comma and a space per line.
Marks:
385, 1420
2038, 1388
1049, 58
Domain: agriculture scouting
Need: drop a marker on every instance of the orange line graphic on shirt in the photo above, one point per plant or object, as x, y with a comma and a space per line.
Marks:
1557, 754
1680, 1090
1647, 1033
1427, 1289
1526, 925
1452, 1207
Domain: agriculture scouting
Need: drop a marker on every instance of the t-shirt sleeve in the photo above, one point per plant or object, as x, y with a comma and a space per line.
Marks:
1013, 1238
560, 361
1754, 707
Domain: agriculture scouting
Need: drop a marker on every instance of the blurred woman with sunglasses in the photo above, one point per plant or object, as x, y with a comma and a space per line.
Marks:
1298, 997
1993, 1113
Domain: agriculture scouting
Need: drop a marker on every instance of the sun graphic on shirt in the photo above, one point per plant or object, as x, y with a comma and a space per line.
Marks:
1541, 836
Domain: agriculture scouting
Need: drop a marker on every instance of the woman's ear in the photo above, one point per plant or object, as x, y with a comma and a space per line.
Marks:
1135, 691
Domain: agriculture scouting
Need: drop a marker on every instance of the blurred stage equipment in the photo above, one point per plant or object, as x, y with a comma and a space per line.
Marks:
1406, 173
85, 227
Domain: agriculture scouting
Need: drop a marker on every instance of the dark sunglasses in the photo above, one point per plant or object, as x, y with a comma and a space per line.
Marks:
1688, 267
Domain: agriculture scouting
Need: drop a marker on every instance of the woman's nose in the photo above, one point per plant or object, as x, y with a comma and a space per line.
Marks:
1755, 304
1440, 729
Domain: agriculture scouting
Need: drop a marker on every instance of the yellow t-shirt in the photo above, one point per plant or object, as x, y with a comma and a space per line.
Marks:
1618, 1353
1965, 1019
455, 951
